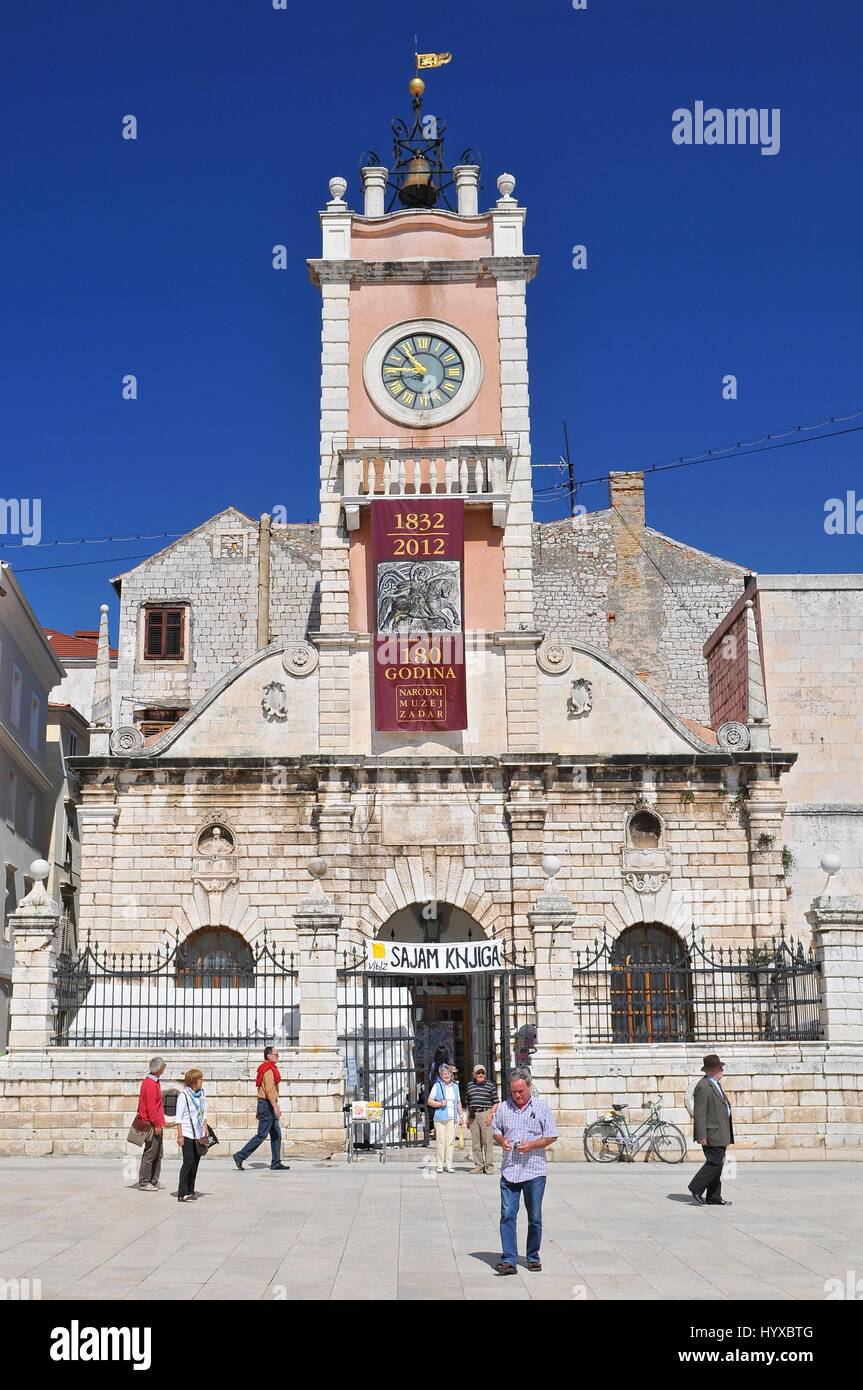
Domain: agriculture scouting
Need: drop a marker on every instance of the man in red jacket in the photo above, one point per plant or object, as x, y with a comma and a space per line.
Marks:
151, 1111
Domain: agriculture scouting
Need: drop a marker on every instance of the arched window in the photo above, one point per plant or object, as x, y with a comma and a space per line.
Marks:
651, 986
215, 958
645, 830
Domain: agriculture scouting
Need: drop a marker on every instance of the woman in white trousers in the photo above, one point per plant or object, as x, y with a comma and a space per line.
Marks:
446, 1103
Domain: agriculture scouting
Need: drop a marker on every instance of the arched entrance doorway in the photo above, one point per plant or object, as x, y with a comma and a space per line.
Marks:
392, 1024
451, 1013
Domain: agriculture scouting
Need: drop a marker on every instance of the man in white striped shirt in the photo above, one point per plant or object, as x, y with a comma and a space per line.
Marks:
524, 1128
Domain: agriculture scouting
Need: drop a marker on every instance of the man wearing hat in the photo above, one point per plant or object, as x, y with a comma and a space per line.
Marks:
712, 1129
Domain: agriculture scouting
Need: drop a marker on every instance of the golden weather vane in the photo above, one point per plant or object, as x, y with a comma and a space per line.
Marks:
430, 60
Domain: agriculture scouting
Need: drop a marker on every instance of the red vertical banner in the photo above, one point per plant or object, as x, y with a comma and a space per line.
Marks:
418, 563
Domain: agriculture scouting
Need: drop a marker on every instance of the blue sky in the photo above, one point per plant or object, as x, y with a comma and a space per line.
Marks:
154, 256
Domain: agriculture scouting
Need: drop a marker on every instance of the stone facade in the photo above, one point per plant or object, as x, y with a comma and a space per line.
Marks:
806, 678
591, 744
213, 574
608, 579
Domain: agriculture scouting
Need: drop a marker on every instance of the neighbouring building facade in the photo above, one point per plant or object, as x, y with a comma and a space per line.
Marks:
28, 671
431, 773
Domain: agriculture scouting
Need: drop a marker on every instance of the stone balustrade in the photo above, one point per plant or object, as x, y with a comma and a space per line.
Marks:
479, 472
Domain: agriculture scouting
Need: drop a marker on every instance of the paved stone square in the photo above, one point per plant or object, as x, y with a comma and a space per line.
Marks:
330, 1231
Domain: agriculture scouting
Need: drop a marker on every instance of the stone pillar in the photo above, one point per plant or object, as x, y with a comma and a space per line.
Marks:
522, 689
315, 1070
101, 718
764, 816
467, 184
35, 930
375, 186
837, 925
553, 1065
97, 822
333, 641
525, 809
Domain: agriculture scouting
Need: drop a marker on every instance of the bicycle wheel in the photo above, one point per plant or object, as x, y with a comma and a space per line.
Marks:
603, 1142
668, 1143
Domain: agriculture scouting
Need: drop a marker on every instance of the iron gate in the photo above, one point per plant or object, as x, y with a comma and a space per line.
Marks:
378, 1038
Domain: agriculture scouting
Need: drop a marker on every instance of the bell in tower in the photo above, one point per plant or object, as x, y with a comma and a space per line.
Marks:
419, 177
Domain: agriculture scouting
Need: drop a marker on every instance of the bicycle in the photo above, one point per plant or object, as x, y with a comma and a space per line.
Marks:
610, 1139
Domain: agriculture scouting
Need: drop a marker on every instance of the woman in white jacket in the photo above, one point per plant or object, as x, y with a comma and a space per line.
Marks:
191, 1128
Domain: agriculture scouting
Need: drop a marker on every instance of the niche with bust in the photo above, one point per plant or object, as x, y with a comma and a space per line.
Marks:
215, 841
644, 847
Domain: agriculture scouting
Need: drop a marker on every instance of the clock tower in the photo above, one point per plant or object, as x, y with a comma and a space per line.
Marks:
424, 401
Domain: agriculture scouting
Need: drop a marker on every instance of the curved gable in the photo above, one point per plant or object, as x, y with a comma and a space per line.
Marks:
625, 716
229, 719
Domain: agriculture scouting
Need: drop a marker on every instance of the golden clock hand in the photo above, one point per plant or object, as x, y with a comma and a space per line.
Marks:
418, 366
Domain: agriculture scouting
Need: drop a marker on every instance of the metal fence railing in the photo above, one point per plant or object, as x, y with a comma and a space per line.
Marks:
161, 999
656, 993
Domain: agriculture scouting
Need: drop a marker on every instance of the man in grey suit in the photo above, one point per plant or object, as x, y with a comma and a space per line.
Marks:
713, 1130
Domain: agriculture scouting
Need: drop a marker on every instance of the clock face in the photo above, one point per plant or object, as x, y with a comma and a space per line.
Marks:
422, 371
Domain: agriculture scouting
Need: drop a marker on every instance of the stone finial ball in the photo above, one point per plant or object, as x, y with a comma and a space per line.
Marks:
317, 867
831, 863
338, 187
505, 185
416, 86
551, 865
40, 868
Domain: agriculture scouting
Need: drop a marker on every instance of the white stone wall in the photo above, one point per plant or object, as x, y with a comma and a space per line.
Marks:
812, 634
83, 1100
791, 1101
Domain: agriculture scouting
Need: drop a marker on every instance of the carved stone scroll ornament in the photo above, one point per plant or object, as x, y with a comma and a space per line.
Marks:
734, 737
554, 656
126, 741
300, 659
274, 703
645, 883
580, 700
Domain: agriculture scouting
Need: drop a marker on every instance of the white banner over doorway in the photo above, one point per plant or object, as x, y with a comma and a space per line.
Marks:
423, 958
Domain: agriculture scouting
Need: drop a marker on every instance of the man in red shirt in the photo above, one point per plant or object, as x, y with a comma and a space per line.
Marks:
151, 1111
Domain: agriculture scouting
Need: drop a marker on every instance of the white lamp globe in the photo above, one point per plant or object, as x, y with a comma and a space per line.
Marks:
831, 864
40, 869
551, 865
